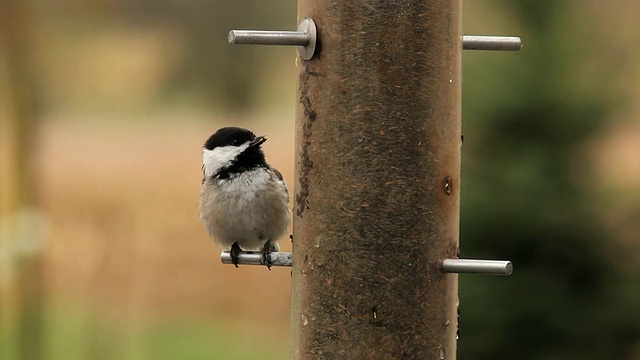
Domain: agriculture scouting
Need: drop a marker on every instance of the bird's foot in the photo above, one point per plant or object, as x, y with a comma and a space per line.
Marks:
268, 248
235, 252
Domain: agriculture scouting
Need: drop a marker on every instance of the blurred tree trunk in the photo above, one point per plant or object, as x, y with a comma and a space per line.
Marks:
20, 261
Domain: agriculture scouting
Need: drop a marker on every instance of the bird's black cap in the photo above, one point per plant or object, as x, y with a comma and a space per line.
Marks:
229, 136
251, 158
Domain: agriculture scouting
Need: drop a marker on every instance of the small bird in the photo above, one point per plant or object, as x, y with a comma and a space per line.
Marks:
243, 200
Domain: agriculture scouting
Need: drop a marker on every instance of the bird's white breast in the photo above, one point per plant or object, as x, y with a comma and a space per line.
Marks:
250, 208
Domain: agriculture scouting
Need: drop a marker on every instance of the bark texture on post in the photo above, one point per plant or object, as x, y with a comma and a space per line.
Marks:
377, 181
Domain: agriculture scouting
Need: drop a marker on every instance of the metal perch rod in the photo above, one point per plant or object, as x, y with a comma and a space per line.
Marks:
487, 267
500, 43
255, 258
295, 38
304, 38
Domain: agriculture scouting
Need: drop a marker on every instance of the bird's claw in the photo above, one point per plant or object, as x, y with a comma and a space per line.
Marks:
235, 253
266, 254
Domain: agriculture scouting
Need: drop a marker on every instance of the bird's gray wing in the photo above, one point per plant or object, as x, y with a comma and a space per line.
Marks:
281, 181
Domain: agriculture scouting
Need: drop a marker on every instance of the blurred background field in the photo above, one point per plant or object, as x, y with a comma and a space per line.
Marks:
101, 252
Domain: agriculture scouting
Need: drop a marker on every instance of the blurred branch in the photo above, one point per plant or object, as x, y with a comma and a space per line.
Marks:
20, 276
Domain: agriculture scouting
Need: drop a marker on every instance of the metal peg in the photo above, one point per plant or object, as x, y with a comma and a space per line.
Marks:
500, 43
255, 258
304, 38
487, 267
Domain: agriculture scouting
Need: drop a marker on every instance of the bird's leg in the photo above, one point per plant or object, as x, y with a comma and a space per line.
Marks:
266, 253
235, 252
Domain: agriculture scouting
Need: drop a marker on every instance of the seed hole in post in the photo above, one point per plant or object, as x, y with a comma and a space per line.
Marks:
375, 318
448, 186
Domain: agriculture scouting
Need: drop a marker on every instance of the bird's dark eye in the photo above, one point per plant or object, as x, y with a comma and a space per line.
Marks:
235, 142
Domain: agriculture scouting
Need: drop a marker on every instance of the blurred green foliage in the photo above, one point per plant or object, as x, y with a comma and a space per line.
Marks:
168, 339
527, 197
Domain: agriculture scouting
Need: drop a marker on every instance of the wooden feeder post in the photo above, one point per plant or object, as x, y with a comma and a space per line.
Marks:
377, 188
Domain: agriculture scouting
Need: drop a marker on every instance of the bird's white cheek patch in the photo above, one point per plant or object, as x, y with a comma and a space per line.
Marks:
220, 157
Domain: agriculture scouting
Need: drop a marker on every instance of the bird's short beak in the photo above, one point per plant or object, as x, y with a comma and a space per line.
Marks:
259, 140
